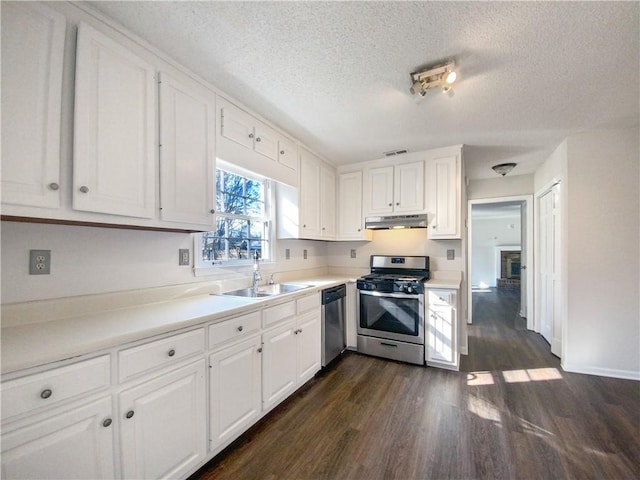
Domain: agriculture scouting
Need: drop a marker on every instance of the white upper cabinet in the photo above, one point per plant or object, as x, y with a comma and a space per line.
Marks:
32, 56
115, 128
327, 203
187, 156
288, 154
350, 215
310, 194
395, 189
445, 196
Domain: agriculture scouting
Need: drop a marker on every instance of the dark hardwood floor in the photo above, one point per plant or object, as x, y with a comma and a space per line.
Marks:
511, 412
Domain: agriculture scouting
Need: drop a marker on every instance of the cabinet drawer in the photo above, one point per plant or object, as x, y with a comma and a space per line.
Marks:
441, 297
136, 360
308, 303
233, 328
273, 315
55, 386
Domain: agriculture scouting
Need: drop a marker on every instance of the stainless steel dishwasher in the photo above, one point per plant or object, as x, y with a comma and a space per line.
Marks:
333, 324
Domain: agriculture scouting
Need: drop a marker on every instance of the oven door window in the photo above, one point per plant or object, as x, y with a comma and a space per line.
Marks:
390, 314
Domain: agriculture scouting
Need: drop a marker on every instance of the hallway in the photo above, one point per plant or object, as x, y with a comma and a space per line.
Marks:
512, 413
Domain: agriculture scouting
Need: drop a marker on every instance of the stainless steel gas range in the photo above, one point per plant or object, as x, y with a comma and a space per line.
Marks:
391, 308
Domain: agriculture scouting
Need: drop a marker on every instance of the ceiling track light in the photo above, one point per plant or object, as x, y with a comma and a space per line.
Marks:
441, 76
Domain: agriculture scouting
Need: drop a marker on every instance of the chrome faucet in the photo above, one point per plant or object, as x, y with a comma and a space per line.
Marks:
257, 276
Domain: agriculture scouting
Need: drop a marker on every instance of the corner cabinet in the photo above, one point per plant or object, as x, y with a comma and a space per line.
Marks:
187, 154
444, 186
350, 213
114, 162
442, 329
309, 211
395, 189
32, 64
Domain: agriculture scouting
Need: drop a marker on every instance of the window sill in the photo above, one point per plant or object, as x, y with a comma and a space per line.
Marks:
220, 268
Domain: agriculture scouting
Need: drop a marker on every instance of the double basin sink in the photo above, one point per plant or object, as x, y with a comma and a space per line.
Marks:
267, 290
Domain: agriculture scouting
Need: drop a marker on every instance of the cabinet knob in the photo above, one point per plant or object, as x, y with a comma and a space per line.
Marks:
304, 226
258, 139
296, 332
323, 228
251, 135
107, 422
84, 189
172, 352
391, 204
240, 328
54, 186
46, 393
397, 203
358, 229
129, 414
434, 227
260, 350
212, 210
281, 152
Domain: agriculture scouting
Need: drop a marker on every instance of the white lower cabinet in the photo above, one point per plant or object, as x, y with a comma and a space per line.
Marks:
75, 441
308, 360
442, 329
163, 425
235, 389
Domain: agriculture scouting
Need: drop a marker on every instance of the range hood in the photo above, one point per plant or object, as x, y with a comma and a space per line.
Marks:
396, 221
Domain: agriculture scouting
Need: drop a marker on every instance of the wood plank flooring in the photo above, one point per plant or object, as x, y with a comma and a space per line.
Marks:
510, 413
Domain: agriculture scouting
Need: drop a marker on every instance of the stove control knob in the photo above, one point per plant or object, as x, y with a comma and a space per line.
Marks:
409, 289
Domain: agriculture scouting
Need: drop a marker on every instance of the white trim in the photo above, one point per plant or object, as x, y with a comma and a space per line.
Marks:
528, 201
602, 372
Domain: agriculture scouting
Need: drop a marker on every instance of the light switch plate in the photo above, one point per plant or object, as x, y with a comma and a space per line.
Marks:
183, 256
287, 253
353, 253
451, 254
39, 262
304, 253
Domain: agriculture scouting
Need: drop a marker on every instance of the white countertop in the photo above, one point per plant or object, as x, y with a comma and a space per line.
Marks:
445, 279
50, 340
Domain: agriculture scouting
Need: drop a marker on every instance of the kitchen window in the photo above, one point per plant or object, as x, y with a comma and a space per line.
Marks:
243, 219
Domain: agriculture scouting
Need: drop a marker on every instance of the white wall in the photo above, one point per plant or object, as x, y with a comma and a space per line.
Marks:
603, 237
488, 233
90, 260
500, 187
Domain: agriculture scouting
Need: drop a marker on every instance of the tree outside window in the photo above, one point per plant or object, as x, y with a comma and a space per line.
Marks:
242, 221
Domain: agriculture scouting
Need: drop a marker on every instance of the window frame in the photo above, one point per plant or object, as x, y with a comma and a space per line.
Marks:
209, 267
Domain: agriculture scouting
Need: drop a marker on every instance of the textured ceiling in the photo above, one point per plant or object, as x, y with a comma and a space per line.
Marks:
336, 74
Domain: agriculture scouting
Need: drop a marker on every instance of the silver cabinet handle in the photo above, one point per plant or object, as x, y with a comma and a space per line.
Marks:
84, 189
251, 135
397, 203
281, 152
212, 210
258, 139
130, 414
46, 393
260, 350
107, 422
171, 353
391, 204
240, 328
54, 186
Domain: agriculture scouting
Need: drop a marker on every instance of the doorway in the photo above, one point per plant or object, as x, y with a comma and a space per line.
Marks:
502, 228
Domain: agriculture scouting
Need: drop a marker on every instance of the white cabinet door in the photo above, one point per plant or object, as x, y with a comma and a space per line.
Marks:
308, 346
235, 389
327, 204
350, 217
380, 191
444, 197
163, 424
442, 329
279, 364
115, 128
236, 125
265, 141
309, 196
32, 55
69, 442
288, 154
187, 158
409, 187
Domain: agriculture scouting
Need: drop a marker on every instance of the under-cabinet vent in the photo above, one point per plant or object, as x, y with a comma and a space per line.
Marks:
394, 152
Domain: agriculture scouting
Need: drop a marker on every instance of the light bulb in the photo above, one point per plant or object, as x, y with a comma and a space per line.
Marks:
450, 78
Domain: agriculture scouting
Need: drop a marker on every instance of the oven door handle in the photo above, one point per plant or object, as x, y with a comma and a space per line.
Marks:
392, 295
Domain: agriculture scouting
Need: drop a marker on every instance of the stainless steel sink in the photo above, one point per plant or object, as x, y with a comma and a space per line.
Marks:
267, 290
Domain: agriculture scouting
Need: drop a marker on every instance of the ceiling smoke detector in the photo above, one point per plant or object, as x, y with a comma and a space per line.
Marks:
503, 168
441, 76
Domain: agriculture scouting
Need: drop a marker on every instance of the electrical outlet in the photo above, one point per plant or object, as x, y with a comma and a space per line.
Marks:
353, 253
287, 254
39, 262
183, 256
304, 253
451, 254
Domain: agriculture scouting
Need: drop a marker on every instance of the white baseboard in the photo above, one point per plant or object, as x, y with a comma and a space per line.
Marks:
602, 372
